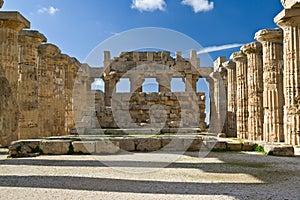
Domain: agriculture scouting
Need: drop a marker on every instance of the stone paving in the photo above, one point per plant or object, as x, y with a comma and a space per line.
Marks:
151, 176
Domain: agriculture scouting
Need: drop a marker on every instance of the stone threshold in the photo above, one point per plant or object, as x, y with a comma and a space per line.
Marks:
80, 145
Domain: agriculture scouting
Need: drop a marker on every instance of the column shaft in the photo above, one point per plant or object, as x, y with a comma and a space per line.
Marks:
255, 90
273, 83
241, 94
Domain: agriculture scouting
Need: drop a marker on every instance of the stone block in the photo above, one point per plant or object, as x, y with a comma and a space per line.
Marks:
86, 147
215, 145
126, 144
279, 150
193, 144
55, 147
248, 146
107, 147
148, 144
174, 144
234, 146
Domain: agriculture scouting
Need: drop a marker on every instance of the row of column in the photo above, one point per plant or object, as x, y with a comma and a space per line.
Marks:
37, 83
264, 83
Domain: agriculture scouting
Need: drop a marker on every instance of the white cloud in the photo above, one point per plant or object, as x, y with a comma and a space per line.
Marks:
218, 48
50, 10
148, 5
199, 5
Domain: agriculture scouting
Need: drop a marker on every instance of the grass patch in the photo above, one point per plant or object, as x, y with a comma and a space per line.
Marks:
259, 149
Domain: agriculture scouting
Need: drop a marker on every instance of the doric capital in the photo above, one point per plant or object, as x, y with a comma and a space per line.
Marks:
229, 64
290, 3
62, 58
49, 49
288, 17
238, 57
252, 48
31, 36
13, 20
270, 35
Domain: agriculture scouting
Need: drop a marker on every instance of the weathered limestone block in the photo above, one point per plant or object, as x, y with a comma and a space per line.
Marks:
290, 4
85, 147
231, 98
46, 73
55, 147
273, 98
242, 94
25, 148
214, 145
10, 25
127, 144
234, 146
289, 21
148, 144
27, 96
255, 90
279, 150
107, 147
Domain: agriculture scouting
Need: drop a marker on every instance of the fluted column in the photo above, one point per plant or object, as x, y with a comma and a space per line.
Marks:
241, 94
46, 91
59, 104
273, 83
10, 25
70, 76
289, 21
27, 96
255, 90
231, 98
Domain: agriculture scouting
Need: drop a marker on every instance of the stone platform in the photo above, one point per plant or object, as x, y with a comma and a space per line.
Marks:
113, 144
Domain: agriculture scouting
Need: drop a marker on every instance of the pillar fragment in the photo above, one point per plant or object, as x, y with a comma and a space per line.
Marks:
255, 90
273, 99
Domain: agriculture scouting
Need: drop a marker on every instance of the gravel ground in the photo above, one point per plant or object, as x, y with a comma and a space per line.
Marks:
150, 176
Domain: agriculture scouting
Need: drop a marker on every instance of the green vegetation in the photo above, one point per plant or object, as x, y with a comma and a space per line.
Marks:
259, 149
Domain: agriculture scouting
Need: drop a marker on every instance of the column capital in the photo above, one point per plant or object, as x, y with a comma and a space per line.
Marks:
31, 36
288, 17
49, 49
270, 35
290, 3
252, 48
229, 64
238, 57
62, 58
13, 20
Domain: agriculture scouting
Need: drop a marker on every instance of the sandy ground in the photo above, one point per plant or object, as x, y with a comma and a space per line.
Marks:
151, 176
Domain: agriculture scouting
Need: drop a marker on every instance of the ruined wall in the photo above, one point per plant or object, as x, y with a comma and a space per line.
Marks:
165, 110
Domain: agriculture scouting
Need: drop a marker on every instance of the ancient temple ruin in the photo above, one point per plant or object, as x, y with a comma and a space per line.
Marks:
254, 95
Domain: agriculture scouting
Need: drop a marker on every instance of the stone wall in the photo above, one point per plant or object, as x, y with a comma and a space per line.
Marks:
164, 110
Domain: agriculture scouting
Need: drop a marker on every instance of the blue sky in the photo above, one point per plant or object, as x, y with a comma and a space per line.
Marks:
77, 26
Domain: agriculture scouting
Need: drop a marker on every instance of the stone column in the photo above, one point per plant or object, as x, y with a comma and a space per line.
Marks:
255, 90
273, 99
71, 73
27, 96
241, 94
289, 21
46, 91
61, 62
136, 83
231, 98
164, 82
10, 25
